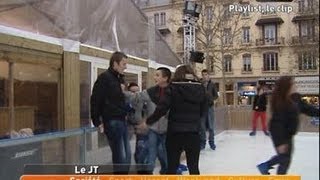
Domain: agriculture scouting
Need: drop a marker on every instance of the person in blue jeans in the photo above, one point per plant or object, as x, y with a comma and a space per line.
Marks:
141, 147
108, 111
157, 132
208, 120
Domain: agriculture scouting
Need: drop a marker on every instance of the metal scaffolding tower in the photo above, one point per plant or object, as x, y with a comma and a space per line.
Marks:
191, 15
189, 37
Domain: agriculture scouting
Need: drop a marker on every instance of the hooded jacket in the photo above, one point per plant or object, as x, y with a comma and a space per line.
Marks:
186, 102
144, 103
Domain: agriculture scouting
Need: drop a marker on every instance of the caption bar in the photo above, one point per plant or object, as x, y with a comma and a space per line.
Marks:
155, 177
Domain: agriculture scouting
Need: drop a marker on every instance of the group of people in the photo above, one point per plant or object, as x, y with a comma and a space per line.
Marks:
169, 118
172, 117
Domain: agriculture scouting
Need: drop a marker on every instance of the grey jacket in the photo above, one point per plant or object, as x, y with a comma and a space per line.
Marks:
141, 100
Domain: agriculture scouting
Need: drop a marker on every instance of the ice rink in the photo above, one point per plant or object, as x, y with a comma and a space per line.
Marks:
238, 153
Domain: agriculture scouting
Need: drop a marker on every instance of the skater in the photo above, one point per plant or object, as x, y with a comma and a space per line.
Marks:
259, 110
151, 142
185, 99
208, 121
286, 105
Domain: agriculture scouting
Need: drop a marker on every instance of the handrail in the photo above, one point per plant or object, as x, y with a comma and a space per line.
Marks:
46, 136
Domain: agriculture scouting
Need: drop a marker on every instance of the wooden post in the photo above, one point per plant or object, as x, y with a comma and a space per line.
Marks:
71, 90
150, 80
71, 104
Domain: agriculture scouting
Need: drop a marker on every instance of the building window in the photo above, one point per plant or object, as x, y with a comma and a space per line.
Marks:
310, 5
227, 39
35, 97
270, 34
306, 29
301, 5
208, 11
246, 34
163, 19
307, 61
226, 13
305, 5
270, 61
227, 63
246, 62
156, 19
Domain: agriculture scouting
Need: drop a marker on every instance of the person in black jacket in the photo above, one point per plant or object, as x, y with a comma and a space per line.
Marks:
108, 111
286, 105
259, 110
185, 99
208, 122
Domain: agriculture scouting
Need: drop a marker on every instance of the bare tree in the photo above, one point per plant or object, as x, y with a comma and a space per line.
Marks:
218, 29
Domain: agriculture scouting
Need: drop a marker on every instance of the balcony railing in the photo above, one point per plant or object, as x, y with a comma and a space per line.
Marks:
304, 39
164, 29
246, 43
247, 70
273, 69
229, 72
270, 41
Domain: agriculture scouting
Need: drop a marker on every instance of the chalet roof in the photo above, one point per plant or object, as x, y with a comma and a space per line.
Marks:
108, 24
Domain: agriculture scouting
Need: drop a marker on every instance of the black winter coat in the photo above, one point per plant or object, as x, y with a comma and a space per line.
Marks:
284, 124
212, 93
107, 99
186, 102
260, 101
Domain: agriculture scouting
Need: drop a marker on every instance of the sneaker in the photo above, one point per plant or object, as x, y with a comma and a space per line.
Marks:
263, 168
266, 133
183, 167
179, 171
213, 146
252, 133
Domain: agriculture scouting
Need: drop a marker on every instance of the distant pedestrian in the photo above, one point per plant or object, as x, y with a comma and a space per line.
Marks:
208, 119
259, 110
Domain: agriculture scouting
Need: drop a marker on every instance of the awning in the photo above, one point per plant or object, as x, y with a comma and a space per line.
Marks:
276, 20
303, 18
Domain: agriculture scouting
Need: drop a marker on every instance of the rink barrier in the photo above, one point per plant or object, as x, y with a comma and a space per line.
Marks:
160, 177
69, 146
240, 118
